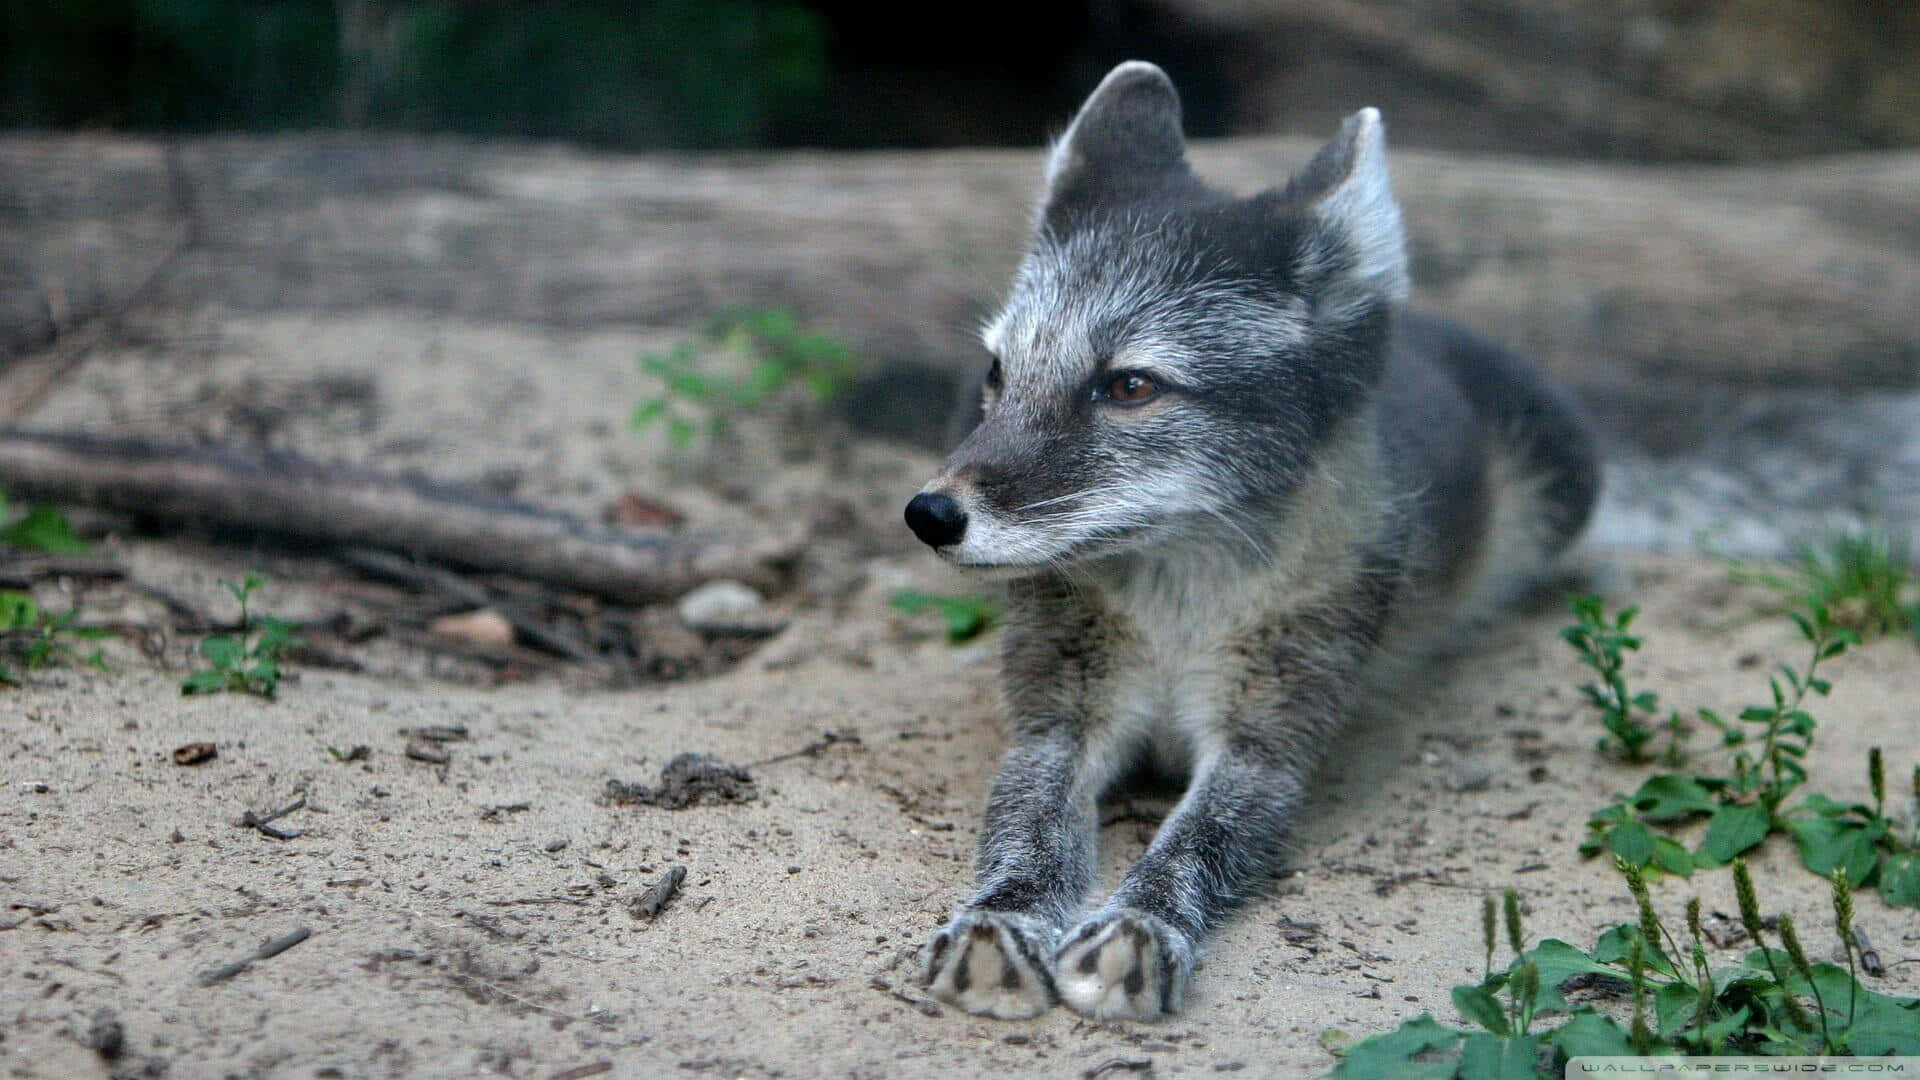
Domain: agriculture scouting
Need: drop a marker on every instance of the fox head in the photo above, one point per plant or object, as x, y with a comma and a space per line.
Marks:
1171, 357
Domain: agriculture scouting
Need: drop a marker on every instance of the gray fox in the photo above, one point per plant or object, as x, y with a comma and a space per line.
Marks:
1228, 483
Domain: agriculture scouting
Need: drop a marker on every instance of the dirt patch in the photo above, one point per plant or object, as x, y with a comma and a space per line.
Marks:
688, 780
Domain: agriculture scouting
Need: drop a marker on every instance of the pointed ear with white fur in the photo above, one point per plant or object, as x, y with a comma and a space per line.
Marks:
1359, 244
1126, 136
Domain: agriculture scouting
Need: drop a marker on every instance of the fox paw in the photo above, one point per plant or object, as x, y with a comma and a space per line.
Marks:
994, 963
1124, 965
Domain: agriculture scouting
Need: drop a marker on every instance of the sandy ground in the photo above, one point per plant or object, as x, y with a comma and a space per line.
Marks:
474, 917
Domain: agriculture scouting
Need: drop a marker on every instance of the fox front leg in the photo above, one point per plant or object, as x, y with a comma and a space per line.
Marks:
1133, 958
1036, 863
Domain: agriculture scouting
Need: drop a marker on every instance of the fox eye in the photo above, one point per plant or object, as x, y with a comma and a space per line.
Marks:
1130, 388
993, 376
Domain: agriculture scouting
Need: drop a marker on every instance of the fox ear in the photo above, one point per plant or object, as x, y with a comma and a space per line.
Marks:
1346, 187
1126, 136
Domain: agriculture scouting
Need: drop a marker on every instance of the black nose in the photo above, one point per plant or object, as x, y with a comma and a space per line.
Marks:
936, 519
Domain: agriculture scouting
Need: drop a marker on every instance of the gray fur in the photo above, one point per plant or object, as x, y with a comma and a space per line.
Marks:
1207, 580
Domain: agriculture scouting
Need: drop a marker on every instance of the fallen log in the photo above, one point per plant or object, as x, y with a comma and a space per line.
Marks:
1803, 274
290, 496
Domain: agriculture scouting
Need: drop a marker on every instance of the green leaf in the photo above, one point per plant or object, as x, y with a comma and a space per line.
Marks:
276, 636
966, 616
1632, 842
1393, 1053
1718, 1030
223, 651
18, 611
1558, 961
204, 682
689, 384
1672, 797
823, 385
1729, 735
647, 412
1829, 843
45, 529
1826, 807
1610, 814
1615, 948
1882, 1024
1668, 855
1900, 880
680, 430
766, 378
1590, 1034
1491, 1057
1734, 829
247, 587
1674, 1005
1480, 1006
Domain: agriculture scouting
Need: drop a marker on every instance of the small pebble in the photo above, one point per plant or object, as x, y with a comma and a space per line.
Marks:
484, 627
431, 753
105, 1035
1468, 776
720, 606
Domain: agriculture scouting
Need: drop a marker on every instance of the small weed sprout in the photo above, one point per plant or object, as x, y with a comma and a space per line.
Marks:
966, 617
780, 354
1602, 645
41, 528
248, 661
1865, 578
32, 638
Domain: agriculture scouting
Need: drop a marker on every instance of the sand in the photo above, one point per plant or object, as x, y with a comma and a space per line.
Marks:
474, 917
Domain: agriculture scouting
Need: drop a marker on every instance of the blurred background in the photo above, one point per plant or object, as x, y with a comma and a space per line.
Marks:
1703, 214
1665, 80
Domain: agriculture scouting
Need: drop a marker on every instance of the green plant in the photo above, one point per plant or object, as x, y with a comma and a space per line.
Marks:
1746, 802
1858, 840
41, 528
1773, 1001
779, 354
1602, 644
967, 616
34, 638
1865, 578
247, 661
